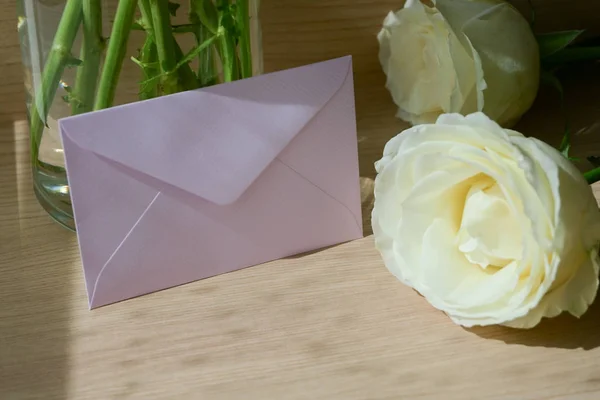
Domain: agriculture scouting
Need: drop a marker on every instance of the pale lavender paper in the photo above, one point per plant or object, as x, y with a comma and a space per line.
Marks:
196, 184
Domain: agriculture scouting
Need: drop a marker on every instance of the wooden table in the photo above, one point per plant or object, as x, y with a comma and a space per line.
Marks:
330, 325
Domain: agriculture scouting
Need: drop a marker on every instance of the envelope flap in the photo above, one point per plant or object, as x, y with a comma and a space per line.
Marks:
216, 141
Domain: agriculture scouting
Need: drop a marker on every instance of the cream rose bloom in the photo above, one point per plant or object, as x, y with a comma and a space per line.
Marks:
489, 226
459, 56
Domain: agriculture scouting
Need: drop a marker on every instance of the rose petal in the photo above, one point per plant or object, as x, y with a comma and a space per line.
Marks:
448, 276
467, 173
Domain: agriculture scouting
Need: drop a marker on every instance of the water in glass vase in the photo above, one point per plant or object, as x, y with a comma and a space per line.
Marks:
80, 56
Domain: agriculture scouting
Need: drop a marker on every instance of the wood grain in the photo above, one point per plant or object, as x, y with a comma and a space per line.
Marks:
330, 325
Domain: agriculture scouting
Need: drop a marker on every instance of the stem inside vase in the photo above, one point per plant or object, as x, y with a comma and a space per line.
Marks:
214, 45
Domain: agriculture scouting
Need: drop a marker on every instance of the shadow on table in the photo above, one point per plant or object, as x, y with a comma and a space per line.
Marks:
315, 251
564, 331
34, 285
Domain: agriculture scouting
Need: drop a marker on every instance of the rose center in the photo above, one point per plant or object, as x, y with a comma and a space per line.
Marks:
489, 233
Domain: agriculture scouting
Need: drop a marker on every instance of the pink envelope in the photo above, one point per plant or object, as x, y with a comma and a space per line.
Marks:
188, 186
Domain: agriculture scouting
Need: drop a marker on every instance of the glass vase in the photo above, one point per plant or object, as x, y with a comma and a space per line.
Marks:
84, 55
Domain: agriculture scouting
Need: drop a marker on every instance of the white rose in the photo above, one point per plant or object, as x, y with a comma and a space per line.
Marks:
459, 56
489, 226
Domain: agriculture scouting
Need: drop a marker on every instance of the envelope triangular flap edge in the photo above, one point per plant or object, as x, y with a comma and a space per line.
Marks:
213, 142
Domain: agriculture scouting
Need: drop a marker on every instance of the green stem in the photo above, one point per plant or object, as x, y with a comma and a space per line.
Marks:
186, 28
196, 51
149, 64
207, 73
206, 68
228, 56
243, 20
165, 45
146, 16
207, 13
148, 54
117, 46
226, 44
186, 75
91, 52
592, 176
58, 58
